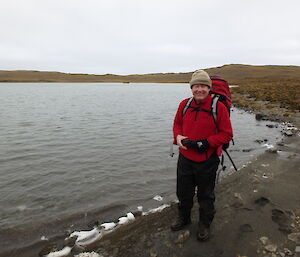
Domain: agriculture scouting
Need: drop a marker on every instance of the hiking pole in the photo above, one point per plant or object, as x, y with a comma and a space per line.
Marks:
230, 159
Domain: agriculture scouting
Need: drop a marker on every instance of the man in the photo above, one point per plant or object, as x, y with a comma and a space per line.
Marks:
200, 141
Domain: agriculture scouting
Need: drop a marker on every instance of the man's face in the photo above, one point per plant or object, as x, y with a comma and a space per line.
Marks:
200, 92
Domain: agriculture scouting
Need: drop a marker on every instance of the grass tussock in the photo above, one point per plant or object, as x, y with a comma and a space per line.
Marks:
284, 93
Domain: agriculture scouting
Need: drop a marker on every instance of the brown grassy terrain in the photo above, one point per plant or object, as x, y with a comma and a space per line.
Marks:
260, 86
234, 73
282, 94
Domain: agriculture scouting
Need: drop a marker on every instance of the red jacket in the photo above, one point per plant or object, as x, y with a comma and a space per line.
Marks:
197, 125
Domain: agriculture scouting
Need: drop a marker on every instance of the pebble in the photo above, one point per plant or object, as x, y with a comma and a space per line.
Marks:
288, 252
287, 133
152, 254
259, 116
182, 237
238, 196
271, 248
295, 237
272, 150
264, 240
270, 125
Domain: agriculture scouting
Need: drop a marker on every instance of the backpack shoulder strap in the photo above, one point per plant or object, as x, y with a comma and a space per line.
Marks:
187, 104
214, 104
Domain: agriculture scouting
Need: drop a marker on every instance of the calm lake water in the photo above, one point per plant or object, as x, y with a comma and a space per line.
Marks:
73, 148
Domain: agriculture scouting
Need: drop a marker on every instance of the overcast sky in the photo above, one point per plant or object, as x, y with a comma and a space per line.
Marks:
139, 36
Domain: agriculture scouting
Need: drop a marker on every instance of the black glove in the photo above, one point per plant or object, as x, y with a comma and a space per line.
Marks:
201, 145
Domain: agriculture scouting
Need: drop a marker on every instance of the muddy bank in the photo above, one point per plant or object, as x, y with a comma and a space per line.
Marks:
258, 214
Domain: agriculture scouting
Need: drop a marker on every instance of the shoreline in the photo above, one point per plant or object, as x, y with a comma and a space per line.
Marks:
143, 226
245, 205
258, 214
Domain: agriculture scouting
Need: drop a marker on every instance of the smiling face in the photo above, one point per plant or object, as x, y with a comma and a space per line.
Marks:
200, 92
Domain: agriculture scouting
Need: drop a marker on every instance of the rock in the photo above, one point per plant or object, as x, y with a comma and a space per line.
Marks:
246, 228
264, 240
271, 248
281, 254
287, 133
280, 217
137, 213
262, 201
270, 125
182, 237
238, 196
295, 237
259, 116
259, 141
288, 252
247, 150
272, 150
297, 249
70, 241
152, 254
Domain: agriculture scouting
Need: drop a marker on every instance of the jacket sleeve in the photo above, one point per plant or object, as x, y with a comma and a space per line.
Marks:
224, 129
177, 124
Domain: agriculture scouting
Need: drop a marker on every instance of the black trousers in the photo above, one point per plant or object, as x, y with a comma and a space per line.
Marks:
200, 175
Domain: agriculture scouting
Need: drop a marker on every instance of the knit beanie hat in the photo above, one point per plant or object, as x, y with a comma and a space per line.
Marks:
200, 77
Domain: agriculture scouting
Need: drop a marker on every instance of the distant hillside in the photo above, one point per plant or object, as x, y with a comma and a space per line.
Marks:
234, 73
241, 73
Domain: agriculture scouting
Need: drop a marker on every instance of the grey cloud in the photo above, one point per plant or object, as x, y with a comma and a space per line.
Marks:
135, 36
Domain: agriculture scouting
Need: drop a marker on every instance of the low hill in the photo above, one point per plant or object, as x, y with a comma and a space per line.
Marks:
279, 85
234, 73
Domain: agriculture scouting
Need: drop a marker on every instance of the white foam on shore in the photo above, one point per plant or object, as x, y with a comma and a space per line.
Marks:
158, 209
88, 254
129, 217
85, 238
269, 146
157, 198
108, 226
64, 252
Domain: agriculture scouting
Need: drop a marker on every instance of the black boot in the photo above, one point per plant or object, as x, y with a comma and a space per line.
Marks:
180, 223
203, 232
